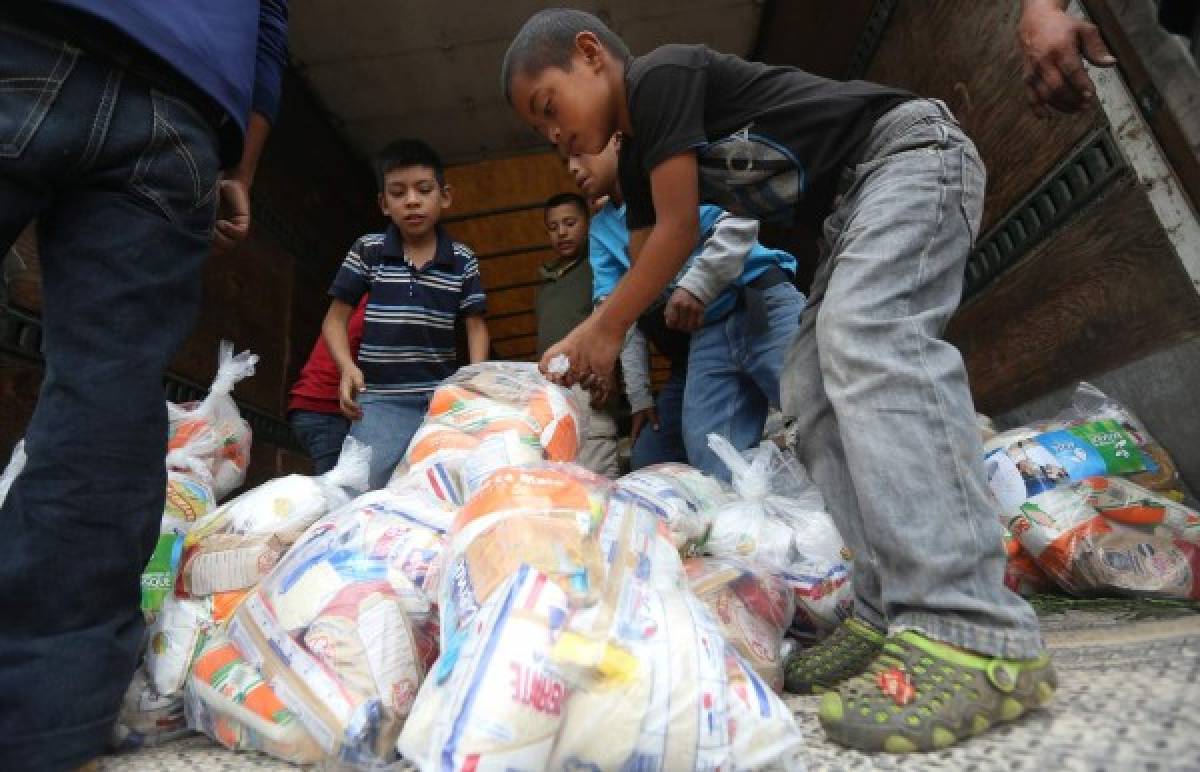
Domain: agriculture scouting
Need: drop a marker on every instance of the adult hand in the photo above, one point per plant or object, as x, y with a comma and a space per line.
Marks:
351, 386
642, 419
684, 311
591, 351
233, 214
1053, 42
602, 391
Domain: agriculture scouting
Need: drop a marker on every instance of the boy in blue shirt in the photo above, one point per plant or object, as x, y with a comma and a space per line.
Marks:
419, 282
884, 416
733, 298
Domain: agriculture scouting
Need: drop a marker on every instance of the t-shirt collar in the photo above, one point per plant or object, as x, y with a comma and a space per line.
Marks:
393, 245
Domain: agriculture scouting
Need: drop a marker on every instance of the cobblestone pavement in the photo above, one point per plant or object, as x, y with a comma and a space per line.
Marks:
1128, 700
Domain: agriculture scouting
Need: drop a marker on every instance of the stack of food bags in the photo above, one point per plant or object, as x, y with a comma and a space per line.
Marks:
487, 416
343, 629
1055, 483
584, 650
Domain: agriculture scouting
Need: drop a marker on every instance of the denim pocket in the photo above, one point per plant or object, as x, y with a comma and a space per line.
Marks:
32, 71
177, 171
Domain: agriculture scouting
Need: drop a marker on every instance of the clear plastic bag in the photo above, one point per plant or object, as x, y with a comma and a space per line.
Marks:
1108, 535
15, 464
228, 700
146, 718
344, 628
753, 608
633, 676
287, 505
488, 416
777, 524
1094, 436
546, 517
683, 497
190, 485
216, 420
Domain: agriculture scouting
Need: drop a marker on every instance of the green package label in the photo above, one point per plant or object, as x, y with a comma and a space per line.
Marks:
1120, 453
158, 578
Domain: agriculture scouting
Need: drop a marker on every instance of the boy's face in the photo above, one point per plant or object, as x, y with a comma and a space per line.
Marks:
414, 200
568, 229
596, 175
577, 108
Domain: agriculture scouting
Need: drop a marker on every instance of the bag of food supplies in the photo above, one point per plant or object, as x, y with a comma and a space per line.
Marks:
343, 628
1095, 436
546, 517
287, 505
217, 420
753, 608
228, 700
488, 416
777, 524
682, 496
634, 675
1109, 535
15, 464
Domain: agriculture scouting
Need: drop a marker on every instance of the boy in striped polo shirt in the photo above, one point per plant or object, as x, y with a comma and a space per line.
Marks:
419, 282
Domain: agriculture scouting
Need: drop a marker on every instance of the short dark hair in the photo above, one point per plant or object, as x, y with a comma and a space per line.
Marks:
560, 199
547, 40
404, 153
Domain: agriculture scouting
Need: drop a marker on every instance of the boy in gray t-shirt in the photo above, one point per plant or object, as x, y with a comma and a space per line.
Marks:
938, 649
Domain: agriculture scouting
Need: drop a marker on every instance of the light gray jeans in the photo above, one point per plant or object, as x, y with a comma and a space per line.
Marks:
884, 418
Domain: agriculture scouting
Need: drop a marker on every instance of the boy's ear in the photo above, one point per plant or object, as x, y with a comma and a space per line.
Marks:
447, 196
383, 205
591, 49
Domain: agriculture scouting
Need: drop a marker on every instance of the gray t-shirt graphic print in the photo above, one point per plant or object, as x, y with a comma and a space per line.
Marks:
770, 142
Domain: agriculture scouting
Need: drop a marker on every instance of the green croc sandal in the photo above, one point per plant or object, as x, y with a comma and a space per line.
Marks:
844, 654
921, 695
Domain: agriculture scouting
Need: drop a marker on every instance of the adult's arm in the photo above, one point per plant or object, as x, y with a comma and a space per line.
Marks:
1054, 45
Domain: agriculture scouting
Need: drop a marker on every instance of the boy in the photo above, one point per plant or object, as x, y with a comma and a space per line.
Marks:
314, 409
419, 283
735, 301
883, 411
564, 299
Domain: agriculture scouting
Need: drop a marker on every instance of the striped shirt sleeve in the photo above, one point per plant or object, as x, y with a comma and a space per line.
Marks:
353, 279
473, 300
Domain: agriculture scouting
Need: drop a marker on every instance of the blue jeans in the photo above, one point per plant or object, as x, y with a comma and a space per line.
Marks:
733, 377
121, 177
656, 446
321, 434
387, 426
884, 418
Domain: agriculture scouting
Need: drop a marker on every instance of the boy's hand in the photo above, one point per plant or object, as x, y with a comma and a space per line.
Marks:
351, 386
642, 419
684, 311
233, 214
1054, 72
591, 351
